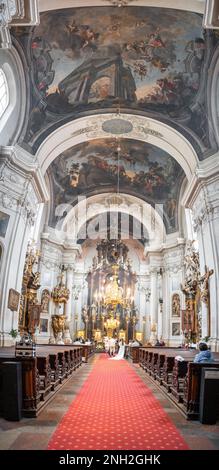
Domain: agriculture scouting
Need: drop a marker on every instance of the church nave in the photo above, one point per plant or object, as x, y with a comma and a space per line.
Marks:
109, 405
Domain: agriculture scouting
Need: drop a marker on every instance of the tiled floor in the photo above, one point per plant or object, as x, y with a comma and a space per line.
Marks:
198, 436
35, 433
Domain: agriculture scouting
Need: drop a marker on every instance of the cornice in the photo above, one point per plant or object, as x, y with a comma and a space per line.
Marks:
207, 172
20, 162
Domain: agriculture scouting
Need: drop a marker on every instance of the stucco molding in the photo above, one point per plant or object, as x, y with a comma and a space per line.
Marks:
16, 13
190, 5
143, 129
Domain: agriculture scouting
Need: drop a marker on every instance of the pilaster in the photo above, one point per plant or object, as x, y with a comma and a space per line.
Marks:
202, 198
22, 187
16, 13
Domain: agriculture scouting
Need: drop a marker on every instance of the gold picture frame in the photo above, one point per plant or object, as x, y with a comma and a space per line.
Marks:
13, 300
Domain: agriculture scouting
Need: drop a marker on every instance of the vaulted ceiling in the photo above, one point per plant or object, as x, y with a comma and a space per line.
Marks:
137, 60
152, 61
127, 166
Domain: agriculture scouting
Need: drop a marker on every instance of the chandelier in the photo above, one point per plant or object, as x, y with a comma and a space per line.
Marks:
60, 293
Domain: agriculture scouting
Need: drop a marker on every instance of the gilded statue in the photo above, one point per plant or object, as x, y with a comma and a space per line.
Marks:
58, 324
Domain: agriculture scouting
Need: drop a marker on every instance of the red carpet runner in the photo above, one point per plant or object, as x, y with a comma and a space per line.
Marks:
115, 410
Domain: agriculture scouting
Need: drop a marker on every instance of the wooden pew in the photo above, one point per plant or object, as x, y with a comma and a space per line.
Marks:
180, 379
179, 373
191, 395
44, 369
43, 375
143, 352
159, 366
133, 353
87, 351
31, 393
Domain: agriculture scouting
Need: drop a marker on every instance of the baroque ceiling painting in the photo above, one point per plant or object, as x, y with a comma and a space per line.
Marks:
83, 60
136, 168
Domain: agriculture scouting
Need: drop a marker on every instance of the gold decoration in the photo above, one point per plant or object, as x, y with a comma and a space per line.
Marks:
111, 323
30, 285
114, 293
60, 293
13, 300
58, 324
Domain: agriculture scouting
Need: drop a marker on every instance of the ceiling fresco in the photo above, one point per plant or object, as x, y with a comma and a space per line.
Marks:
152, 60
129, 166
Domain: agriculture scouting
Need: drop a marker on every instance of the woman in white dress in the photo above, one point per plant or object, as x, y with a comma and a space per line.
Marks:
121, 352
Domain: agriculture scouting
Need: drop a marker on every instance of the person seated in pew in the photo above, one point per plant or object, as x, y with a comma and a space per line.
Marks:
135, 343
77, 341
159, 342
204, 355
88, 341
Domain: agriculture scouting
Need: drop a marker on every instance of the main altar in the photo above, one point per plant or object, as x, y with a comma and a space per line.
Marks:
110, 309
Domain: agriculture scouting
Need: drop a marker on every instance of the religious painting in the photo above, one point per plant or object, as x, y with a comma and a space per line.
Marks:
44, 325
144, 171
175, 305
45, 298
4, 220
84, 59
34, 316
101, 89
13, 300
175, 329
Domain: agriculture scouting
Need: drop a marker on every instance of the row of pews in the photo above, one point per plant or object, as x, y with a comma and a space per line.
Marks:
181, 380
45, 374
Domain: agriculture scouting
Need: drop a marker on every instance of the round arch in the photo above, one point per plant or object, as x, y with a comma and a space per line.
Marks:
189, 5
144, 213
126, 126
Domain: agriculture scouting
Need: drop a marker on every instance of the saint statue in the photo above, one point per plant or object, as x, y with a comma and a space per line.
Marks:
45, 300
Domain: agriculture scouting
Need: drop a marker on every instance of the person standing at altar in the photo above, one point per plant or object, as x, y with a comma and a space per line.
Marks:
106, 344
112, 346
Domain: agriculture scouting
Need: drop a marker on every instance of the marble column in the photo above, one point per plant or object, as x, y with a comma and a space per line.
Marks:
153, 305
160, 307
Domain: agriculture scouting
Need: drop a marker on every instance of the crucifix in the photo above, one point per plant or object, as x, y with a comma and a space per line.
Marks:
205, 294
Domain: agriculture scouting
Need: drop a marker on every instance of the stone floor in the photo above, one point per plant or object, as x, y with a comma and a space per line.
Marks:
34, 434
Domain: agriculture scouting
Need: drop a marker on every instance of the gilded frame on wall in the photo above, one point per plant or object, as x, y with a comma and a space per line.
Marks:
13, 300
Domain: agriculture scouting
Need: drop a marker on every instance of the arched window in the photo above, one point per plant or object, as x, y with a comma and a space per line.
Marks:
4, 94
